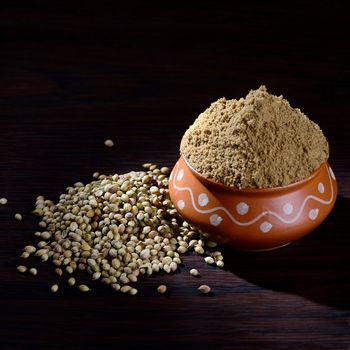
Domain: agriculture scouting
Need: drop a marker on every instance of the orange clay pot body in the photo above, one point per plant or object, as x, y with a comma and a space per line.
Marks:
253, 219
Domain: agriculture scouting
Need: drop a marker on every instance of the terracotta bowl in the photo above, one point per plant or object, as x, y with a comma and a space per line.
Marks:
253, 219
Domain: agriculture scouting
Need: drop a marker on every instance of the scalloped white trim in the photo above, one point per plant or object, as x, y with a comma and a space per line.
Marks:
264, 213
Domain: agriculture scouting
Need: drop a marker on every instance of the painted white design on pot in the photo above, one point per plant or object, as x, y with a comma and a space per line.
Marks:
288, 208
265, 227
203, 199
332, 174
181, 204
215, 219
180, 175
242, 208
320, 187
263, 213
313, 213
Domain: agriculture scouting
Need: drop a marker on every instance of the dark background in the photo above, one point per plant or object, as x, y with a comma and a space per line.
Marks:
139, 72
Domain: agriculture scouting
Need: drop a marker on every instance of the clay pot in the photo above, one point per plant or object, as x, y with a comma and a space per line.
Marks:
253, 219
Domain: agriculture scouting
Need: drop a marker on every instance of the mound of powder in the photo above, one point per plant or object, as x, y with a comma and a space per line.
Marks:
256, 142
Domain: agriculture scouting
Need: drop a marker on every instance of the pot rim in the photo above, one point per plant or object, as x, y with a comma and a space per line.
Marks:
222, 186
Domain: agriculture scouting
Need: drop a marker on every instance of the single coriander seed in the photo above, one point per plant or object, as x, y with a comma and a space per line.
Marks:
220, 263
133, 291
125, 289
59, 271
33, 271
84, 288
194, 272
29, 249
165, 170
21, 268
211, 244
109, 143
182, 249
54, 288
71, 281
3, 201
162, 289
209, 260
18, 217
173, 266
199, 250
204, 289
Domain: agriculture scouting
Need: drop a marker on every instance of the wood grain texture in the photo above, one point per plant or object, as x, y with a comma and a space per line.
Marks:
75, 74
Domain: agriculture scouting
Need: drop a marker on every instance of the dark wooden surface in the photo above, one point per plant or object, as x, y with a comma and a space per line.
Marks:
75, 74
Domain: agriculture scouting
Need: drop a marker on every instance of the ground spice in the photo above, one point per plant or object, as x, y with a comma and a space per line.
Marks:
256, 142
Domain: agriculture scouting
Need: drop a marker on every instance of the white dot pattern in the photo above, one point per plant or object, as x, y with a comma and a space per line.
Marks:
181, 204
215, 219
313, 213
203, 199
288, 208
180, 175
265, 227
320, 187
242, 208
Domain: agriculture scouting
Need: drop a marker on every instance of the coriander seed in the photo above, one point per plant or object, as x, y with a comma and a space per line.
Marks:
84, 288
220, 263
59, 271
209, 260
199, 250
109, 143
21, 268
71, 281
194, 272
29, 249
211, 244
165, 170
162, 289
125, 289
33, 271
18, 217
115, 228
133, 291
204, 289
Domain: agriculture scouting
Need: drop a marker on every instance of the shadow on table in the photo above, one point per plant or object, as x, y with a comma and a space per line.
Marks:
316, 267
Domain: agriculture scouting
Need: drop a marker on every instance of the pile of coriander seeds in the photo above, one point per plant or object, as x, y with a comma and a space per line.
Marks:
116, 228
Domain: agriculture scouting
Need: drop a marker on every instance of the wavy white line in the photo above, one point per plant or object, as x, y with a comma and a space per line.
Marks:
258, 217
